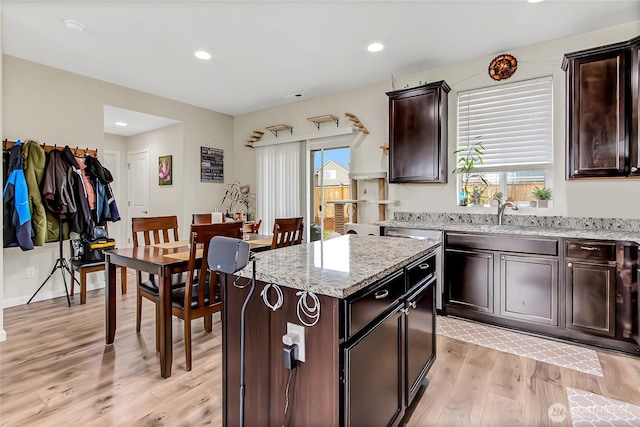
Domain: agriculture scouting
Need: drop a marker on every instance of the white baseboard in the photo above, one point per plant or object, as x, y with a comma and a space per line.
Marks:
3, 335
42, 296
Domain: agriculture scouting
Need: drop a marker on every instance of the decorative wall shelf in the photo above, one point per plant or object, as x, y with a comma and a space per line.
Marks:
255, 137
382, 202
385, 149
357, 123
323, 119
277, 128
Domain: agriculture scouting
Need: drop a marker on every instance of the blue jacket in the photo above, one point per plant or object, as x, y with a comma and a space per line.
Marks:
17, 229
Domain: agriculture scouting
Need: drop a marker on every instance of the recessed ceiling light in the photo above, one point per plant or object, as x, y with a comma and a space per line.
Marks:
74, 25
201, 54
123, 124
375, 47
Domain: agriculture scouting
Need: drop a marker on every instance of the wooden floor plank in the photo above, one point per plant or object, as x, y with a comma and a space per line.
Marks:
55, 368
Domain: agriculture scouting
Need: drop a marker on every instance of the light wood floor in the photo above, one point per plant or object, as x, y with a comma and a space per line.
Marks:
55, 370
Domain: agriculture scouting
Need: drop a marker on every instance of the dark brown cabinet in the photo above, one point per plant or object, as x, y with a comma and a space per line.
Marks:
500, 277
601, 88
591, 286
390, 355
469, 279
418, 133
374, 363
529, 288
635, 106
420, 336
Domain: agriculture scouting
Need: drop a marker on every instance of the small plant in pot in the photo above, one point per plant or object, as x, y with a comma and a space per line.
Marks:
542, 195
496, 200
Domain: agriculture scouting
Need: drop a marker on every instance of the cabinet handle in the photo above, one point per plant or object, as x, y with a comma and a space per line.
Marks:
405, 311
589, 248
502, 257
569, 264
381, 294
413, 304
575, 172
424, 266
634, 169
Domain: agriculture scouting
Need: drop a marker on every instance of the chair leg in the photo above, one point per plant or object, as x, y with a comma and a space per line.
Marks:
138, 310
187, 342
157, 327
83, 287
123, 279
208, 323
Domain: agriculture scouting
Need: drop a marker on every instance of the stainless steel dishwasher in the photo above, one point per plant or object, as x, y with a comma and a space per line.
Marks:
420, 234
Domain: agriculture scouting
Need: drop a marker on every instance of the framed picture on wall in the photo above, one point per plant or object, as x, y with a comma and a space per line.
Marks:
165, 170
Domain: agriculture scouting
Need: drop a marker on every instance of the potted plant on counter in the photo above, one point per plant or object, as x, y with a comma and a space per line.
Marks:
542, 195
473, 185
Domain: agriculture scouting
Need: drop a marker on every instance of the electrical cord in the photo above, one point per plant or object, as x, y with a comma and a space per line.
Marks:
286, 398
310, 312
265, 296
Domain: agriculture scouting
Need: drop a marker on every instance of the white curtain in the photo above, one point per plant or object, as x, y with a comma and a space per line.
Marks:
280, 183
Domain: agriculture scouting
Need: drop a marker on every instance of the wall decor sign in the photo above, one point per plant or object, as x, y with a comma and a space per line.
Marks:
165, 170
503, 66
211, 164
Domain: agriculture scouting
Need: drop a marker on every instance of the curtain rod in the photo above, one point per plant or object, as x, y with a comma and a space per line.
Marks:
78, 152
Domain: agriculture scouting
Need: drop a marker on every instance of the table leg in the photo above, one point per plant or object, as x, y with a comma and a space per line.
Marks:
164, 322
110, 301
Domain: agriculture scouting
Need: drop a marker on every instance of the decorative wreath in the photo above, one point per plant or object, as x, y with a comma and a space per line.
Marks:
502, 67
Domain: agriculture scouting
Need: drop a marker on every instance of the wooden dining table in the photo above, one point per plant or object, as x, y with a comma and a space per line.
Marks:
162, 260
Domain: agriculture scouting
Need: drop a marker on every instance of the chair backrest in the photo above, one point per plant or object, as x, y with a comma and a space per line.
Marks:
287, 232
256, 226
201, 235
154, 229
205, 218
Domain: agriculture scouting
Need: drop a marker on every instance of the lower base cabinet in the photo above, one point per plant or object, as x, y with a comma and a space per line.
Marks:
469, 279
373, 375
385, 362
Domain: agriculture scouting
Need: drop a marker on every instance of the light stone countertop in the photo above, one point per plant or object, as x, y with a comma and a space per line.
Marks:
519, 230
337, 267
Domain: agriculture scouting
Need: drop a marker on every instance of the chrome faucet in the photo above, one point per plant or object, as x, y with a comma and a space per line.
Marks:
501, 209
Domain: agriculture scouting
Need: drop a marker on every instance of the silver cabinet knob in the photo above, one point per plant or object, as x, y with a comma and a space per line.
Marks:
575, 172
634, 169
569, 264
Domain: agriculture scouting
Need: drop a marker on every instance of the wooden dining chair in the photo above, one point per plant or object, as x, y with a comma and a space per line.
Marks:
87, 267
255, 227
201, 296
205, 218
148, 231
287, 232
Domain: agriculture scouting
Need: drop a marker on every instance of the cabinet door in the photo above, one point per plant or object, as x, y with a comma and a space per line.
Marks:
418, 134
420, 336
469, 279
598, 141
373, 374
635, 107
529, 288
591, 298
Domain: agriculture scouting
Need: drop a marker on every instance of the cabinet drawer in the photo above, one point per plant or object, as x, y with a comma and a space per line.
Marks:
593, 250
365, 307
420, 270
527, 245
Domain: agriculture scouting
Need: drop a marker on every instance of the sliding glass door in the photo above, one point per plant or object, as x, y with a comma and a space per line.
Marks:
330, 184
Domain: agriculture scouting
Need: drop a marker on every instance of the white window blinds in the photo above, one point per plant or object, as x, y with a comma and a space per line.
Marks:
512, 121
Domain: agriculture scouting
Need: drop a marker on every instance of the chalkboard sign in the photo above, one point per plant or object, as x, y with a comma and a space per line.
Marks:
211, 164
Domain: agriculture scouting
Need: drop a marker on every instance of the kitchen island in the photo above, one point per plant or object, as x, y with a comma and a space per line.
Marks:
365, 356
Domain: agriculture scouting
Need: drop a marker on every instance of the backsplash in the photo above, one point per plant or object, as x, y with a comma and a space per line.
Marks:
609, 224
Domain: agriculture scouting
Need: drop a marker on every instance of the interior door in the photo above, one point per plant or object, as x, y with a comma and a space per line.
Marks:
138, 187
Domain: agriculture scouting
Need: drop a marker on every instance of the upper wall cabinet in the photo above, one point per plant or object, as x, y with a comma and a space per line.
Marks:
418, 133
602, 111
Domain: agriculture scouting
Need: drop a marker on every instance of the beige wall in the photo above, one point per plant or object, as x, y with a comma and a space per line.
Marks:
58, 107
602, 198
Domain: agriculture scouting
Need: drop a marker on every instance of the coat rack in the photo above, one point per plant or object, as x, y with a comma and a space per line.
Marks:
78, 152
61, 263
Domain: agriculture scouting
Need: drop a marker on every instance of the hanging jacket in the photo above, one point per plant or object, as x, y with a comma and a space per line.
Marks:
34, 163
17, 229
101, 177
57, 194
82, 222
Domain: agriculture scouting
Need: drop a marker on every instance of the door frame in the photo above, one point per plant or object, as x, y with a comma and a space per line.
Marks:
130, 190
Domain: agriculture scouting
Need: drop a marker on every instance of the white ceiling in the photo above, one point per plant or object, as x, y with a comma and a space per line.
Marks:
136, 122
265, 50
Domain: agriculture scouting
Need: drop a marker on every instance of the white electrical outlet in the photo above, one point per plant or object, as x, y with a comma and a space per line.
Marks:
297, 329
31, 272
